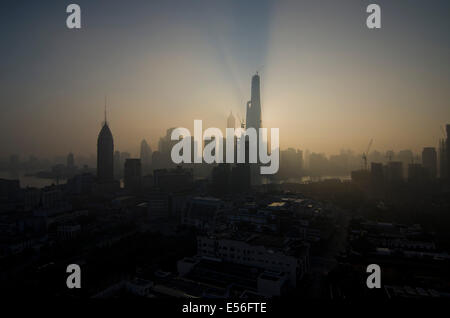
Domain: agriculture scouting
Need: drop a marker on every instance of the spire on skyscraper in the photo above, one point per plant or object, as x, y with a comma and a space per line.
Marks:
105, 150
231, 121
106, 122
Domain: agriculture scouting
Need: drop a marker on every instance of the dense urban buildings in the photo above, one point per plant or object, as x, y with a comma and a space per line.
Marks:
214, 231
349, 203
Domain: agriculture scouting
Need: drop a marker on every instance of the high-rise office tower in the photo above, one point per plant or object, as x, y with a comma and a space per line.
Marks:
105, 154
132, 176
253, 118
231, 121
394, 171
70, 160
117, 165
146, 156
447, 152
376, 172
417, 173
442, 160
406, 157
429, 161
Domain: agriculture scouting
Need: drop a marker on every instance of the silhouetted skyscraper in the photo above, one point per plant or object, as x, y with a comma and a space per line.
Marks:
231, 121
291, 163
442, 160
105, 154
447, 152
406, 157
70, 160
146, 156
429, 161
165, 146
417, 173
253, 120
117, 165
394, 171
376, 173
253, 117
132, 176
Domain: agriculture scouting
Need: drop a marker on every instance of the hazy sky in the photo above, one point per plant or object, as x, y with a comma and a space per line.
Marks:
327, 81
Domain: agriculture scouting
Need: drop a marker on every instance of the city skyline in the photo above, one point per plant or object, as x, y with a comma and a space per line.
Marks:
325, 95
136, 151
225, 156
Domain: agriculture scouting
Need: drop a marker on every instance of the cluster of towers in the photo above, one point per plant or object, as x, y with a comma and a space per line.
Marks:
105, 142
435, 163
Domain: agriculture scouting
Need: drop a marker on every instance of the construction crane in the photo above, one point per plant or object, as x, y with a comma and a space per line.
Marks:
389, 155
365, 154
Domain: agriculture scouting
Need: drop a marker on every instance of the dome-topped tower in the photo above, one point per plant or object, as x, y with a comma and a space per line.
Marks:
105, 153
